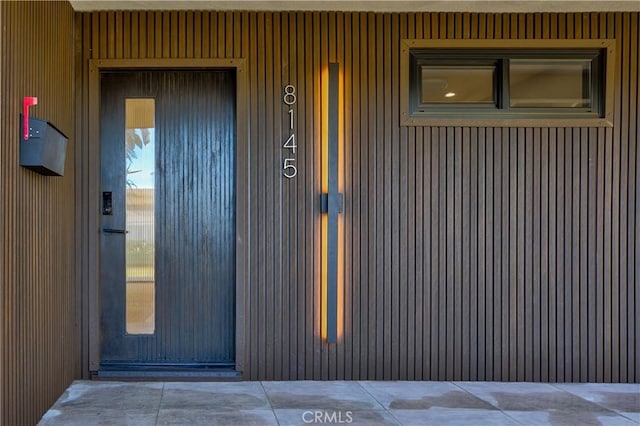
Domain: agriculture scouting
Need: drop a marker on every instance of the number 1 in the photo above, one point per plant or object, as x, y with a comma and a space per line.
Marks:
291, 119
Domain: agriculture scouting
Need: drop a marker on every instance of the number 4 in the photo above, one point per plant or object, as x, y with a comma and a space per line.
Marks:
291, 143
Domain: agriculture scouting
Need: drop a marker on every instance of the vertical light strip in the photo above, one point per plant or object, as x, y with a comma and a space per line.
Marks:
334, 203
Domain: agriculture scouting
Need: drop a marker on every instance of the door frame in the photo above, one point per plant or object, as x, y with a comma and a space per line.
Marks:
91, 314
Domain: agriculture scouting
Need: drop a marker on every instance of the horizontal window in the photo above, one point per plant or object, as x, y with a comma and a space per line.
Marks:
553, 85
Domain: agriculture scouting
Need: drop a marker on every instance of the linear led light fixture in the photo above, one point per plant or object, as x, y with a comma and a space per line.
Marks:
332, 205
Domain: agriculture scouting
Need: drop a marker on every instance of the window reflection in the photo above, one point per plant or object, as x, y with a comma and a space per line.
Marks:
457, 84
550, 83
140, 215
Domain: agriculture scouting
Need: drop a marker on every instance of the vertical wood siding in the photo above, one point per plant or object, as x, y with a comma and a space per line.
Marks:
39, 336
469, 253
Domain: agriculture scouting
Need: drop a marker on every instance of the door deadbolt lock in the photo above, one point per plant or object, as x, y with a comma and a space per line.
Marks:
107, 203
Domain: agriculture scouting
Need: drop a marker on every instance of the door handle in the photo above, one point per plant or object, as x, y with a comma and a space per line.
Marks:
114, 231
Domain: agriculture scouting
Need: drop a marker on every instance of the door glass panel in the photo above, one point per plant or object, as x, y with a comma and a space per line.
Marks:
458, 84
140, 213
550, 83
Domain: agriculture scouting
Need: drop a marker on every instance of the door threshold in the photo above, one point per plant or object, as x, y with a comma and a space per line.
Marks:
169, 376
173, 372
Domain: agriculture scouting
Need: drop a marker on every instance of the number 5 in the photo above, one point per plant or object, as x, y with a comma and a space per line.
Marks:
289, 170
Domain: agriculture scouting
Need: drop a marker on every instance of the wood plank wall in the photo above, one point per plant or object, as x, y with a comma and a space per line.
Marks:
39, 333
469, 253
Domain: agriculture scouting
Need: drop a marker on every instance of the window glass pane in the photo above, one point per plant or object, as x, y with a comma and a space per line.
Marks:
457, 84
550, 83
140, 214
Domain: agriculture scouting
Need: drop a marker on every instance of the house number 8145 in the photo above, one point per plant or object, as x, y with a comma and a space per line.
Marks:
289, 169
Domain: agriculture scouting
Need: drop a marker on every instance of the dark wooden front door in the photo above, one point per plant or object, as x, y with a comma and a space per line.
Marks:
167, 292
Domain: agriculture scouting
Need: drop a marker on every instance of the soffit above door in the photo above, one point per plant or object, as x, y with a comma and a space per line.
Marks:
496, 6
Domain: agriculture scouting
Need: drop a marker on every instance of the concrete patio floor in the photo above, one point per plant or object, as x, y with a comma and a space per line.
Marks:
345, 402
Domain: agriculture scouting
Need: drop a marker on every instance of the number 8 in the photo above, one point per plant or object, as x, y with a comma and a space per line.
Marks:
289, 97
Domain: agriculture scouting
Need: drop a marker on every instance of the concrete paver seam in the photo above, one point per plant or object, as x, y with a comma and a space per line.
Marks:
381, 404
594, 402
488, 402
160, 403
266, 395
